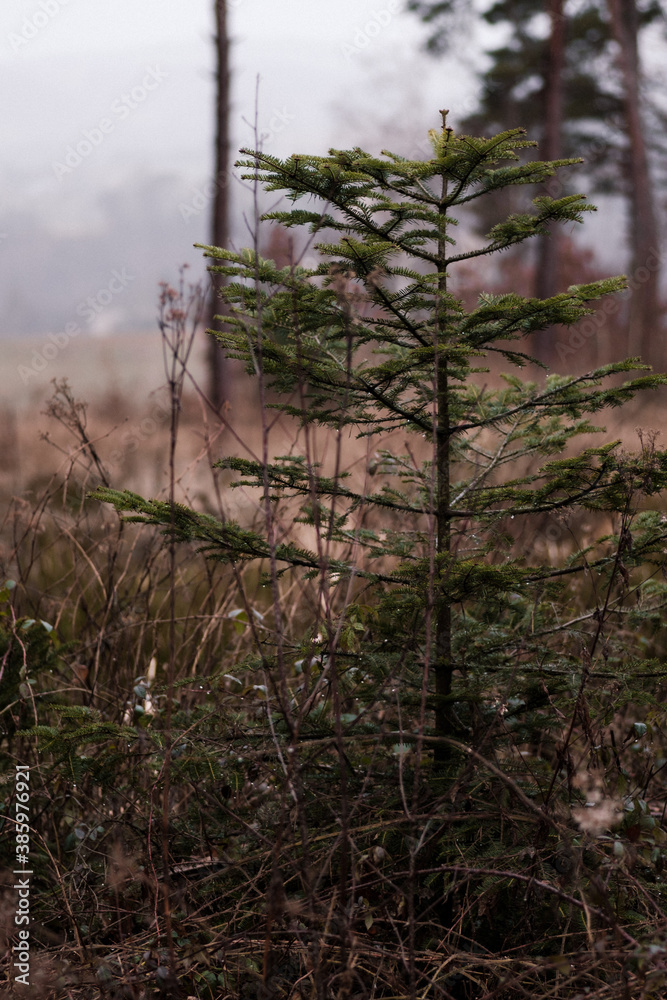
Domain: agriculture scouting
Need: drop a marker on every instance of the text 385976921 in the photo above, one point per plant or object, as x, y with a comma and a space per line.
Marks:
21, 950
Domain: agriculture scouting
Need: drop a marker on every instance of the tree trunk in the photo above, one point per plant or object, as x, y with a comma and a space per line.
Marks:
546, 276
443, 614
644, 336
217, 366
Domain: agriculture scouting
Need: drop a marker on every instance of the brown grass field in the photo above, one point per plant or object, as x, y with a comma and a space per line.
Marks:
122, 381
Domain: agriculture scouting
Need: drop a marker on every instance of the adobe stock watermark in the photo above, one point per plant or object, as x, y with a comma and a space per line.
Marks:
21, 951
365, 34
120, 110
202, 196
88, 309
140, 433
280, 119
423, 148
555, 187
42, 16
590, 326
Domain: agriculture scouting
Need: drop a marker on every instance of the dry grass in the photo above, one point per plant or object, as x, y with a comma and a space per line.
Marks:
243, 909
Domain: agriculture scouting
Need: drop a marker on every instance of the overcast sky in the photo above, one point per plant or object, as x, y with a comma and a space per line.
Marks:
104, 101
68, 65
107, 127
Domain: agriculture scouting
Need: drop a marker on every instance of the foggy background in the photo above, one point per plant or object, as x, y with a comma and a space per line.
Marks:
92, 218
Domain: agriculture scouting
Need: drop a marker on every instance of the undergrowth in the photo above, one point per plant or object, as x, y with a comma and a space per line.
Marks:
370, 736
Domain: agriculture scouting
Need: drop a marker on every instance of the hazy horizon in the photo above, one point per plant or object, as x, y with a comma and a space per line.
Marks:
97, 180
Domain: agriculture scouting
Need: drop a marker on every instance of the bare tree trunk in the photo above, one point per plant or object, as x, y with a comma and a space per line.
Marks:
218, 368
444, 667
546, 276
644, 336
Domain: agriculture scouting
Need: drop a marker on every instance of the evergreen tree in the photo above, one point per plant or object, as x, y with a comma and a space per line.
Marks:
516, 87
574, 82
470, 667
645, 324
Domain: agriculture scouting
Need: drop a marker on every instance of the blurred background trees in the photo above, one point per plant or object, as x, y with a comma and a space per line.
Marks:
581, 75
218, 371
572, 74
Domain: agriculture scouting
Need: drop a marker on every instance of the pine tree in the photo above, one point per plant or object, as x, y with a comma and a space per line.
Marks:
578, 89
435, 630
392, 210
645, 326
516, 87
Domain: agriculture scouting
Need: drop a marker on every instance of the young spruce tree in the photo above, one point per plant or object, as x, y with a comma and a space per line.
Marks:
450, 661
